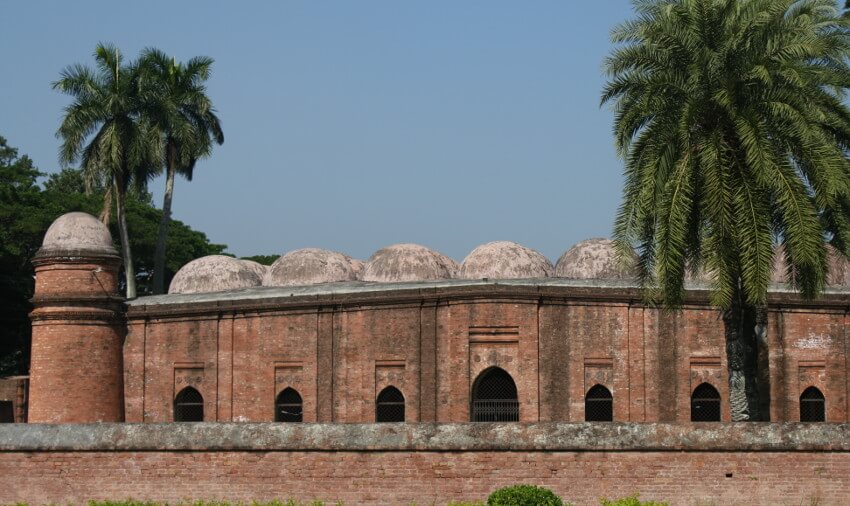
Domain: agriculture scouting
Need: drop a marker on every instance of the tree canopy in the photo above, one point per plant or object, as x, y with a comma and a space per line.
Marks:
26, 211
731, 118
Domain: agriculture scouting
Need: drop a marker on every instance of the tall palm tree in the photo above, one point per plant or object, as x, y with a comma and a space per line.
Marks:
102, 128
731, 120
178, 106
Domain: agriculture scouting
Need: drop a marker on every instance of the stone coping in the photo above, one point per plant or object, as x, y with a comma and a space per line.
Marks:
405, 437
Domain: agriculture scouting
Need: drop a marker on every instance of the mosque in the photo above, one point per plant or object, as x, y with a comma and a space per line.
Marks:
408, 335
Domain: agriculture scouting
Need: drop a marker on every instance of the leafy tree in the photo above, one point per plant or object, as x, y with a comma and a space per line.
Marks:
21, 228
178, 106
731, 120
27, 210
262, 259
121, 148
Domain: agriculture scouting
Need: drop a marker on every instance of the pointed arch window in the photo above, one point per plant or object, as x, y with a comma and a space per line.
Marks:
288, 406
494, 397
812, 406
599, 405
389, 406
705, 404
189, 406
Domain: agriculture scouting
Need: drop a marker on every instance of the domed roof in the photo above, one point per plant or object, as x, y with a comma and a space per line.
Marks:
257, 267
838, 268
505, 260
407, 262
309, 266
592, 259
214, 273
77, 232
358, 266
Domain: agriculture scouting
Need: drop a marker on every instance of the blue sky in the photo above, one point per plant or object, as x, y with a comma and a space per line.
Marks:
354, 125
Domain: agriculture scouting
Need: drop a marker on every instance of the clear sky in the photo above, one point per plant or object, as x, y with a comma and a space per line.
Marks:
355, 125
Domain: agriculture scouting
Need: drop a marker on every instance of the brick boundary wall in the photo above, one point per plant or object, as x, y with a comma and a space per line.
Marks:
765, 463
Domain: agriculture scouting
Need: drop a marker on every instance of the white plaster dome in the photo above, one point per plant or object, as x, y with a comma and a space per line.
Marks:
214, 273
310, 266
505, 260
77, 232
593, 259
358, 266
257, 267
838, 268
408, 262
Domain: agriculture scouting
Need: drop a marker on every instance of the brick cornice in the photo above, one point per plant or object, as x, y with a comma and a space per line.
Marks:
532, 294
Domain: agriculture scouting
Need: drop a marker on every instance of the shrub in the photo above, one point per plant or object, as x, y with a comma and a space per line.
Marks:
524, 495
632, 500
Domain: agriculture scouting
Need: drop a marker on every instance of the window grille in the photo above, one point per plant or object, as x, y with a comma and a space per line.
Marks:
289, 406
494, 397
389, 406
189, 406
812, 406
705, 404
7, 412
599, 405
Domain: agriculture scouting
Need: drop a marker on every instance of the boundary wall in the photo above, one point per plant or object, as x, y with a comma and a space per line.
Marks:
425, 463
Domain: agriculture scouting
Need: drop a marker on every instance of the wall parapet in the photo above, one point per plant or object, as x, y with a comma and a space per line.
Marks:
426, 437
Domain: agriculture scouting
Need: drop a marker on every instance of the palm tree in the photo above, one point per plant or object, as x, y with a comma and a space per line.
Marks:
178, 106
729, 115
105, 113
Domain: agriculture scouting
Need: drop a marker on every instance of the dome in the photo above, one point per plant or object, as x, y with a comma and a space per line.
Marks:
77, 232
592, 259
505, 260
309, 266
357, 266
257, 267
214, 273
407, 262
838, 268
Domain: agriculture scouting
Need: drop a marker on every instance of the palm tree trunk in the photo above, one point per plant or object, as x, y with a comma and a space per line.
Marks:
740, 327
159, 256
129, 271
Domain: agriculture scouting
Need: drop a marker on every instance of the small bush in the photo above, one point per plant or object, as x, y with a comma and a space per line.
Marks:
524, 495
632, 500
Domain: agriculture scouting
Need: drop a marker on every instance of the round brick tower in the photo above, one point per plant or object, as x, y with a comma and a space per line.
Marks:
76, 370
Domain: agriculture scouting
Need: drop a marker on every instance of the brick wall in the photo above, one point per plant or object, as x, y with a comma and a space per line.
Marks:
339, 349
426, 463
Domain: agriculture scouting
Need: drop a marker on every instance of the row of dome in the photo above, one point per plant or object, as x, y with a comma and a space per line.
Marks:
82, 233
590, 259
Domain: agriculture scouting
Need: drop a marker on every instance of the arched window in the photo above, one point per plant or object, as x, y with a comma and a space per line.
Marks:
599, 405
812, 406
288, 406
389, 406
705, 404
189, 406
494, 397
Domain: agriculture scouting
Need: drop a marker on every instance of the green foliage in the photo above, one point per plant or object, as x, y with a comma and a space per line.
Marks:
27, 210
732, 121
524, 495
175, 103
104, 130
632, 500
262, 259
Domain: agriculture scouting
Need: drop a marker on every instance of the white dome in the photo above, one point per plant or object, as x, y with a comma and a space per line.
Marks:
257, 267
505, 260
593, 259
214, 273
408, 262
310, 266
77, 232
